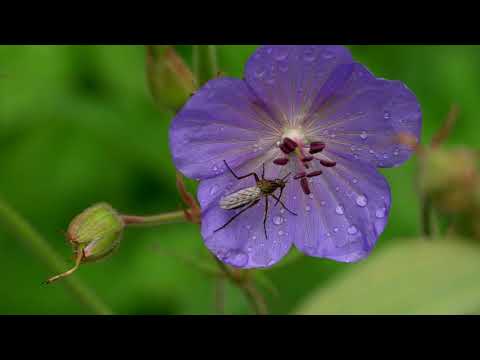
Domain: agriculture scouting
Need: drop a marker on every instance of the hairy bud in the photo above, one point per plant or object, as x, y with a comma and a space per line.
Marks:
93, 234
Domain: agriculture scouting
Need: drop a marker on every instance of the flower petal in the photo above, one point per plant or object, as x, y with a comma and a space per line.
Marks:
223, 121
364, 117
345, 213
289, 78
242, 243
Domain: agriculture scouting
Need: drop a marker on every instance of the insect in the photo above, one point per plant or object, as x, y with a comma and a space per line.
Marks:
249, 197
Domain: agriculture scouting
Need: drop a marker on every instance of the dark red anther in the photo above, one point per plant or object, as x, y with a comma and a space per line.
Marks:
314, 173
328, 163
305, 187
281, 161
286, 150
307, 159
300, 175
290, 143
316, 147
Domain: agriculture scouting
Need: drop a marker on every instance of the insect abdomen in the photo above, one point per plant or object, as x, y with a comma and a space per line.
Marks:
240, 198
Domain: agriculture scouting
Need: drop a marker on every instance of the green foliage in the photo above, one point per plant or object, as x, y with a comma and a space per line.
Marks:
415, 276
78, 126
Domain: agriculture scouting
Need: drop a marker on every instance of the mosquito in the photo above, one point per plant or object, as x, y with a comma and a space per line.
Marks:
249, 197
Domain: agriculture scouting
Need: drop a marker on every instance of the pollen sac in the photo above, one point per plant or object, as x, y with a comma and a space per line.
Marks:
316, 147
305, 187
328, 163
288, 146
281, 162
96, 232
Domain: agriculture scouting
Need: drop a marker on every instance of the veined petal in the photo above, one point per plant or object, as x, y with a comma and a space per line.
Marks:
289, 78
242, 243
224, 120
364, 117
345, 213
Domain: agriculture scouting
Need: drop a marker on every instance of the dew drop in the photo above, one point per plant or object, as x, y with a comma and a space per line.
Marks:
352, 230
337, 189
323, 203
380, 213
259, 72
311, 197
308, 208
281, 54
362, 201
213, 189
387, 115
254, 238
339, 210
309, 55
248, 227
269, 50
396, 153
278, 220
364, 135
355, 181
215, 168
335, 230
238, 258
282, 211
385, 156
280, 233
328, 55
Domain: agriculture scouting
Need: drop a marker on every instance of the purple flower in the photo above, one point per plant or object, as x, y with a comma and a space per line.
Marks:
311, 111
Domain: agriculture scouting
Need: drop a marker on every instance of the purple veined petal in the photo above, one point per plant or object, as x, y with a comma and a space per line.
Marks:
242, 243
289, 78
364, 117
224, 120
344, 215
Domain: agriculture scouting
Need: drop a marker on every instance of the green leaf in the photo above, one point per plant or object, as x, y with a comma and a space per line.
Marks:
417, 276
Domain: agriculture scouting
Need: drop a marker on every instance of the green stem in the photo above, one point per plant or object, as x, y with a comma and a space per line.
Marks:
19, 228
205, 65
154, 220
426, 217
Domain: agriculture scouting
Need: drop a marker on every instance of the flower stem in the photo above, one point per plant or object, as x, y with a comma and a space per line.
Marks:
20, 229
426, 217
205, 65
154, 220
255, 298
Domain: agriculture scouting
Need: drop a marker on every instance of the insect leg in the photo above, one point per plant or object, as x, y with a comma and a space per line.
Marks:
283, 205
278, 200
263, 171
265, 218
241, 177
237, 215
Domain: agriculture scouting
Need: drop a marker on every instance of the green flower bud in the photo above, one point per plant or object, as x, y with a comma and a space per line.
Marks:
448, 178
93, 234
170, 80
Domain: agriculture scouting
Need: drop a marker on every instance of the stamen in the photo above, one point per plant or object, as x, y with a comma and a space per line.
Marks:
290, 143
300, 175
316, 147
328, 163
281, 161
314, 173
307, 158
305, 187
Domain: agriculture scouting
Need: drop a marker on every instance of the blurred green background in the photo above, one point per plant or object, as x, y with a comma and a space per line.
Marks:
78, 126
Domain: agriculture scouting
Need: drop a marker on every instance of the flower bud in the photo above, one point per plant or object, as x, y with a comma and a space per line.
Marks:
93, 234
448, 177
170, 80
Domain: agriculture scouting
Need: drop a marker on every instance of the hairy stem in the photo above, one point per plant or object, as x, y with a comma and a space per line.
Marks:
154, 220
20, 229
244, 283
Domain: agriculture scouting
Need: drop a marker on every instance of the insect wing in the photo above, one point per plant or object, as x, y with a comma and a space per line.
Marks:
240, 198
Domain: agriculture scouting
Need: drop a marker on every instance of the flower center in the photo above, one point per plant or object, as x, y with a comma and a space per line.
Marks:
296, 147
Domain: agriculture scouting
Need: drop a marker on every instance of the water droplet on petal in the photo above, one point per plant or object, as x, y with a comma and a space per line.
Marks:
328, 55
259, 72
280, 54
387, 115
364, 135
355, 180
308, 208
238, 258
352, 230
339, 210
280, 233
335, 230
362, 201
309, 55
323, 203
278, 220
380, 213
213, 189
